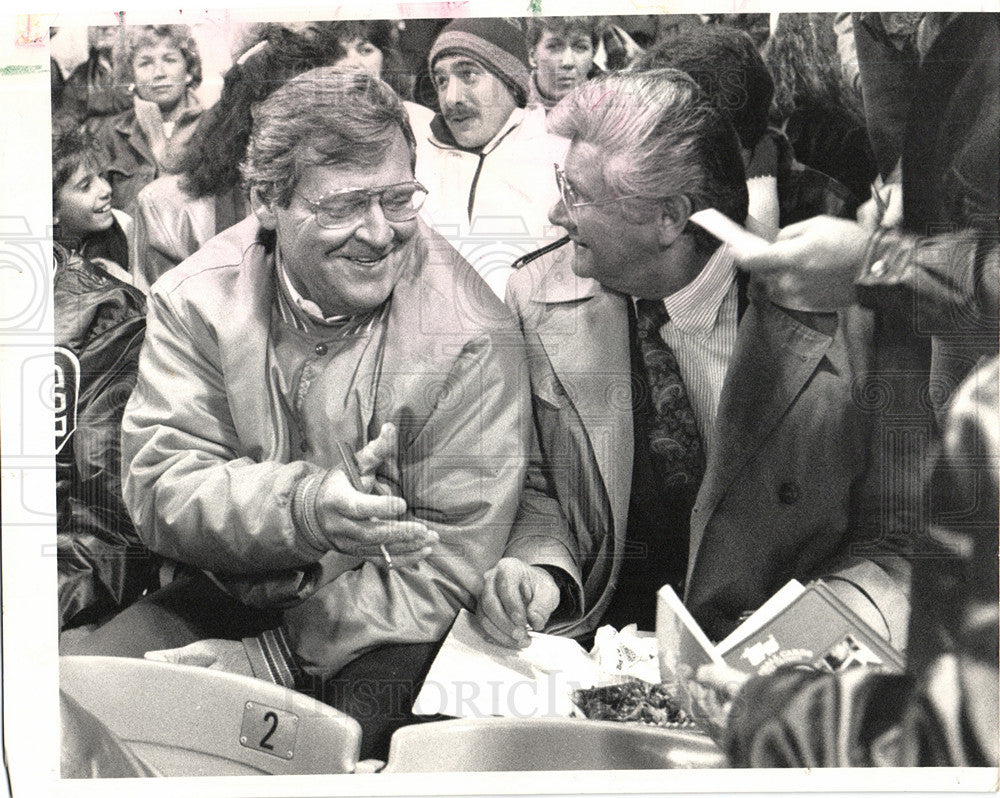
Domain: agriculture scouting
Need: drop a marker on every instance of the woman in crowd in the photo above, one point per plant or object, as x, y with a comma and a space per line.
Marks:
176, 214
162, 66
561, 51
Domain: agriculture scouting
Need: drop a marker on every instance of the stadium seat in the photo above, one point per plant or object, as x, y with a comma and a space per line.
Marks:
186, 721
505, 744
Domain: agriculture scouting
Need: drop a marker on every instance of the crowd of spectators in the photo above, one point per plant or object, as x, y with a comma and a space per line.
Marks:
863, 147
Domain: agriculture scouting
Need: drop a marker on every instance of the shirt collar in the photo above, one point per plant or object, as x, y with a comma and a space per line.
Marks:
695, 308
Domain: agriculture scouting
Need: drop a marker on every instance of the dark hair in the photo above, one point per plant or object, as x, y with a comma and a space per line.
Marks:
662, 136
211, 161
139, 36
724, 62
384, 34
804, 62
73, 147
536, 26
324, 116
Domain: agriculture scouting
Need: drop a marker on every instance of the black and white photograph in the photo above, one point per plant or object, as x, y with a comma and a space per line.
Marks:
458, 398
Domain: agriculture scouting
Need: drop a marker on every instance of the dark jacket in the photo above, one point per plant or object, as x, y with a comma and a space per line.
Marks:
132, 164
804, 192
99, 327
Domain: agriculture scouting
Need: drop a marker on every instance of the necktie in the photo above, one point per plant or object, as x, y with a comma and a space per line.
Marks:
673, 431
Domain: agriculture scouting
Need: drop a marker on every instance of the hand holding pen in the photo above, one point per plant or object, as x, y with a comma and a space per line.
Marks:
358, 516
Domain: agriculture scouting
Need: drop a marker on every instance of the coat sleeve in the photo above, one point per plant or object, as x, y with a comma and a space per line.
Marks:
461, 472
541, 534
870, 570
950, 282
194, 494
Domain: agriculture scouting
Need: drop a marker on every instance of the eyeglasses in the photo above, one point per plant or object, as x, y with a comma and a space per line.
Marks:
572, 200
400, 203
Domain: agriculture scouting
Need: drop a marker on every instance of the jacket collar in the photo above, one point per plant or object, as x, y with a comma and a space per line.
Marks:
127, 124
555, 282
442, 138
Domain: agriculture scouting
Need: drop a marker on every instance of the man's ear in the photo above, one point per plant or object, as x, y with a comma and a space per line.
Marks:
674, 214
263, 210
532, 61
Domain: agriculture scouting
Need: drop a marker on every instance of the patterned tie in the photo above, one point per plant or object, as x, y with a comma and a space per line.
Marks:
673, 431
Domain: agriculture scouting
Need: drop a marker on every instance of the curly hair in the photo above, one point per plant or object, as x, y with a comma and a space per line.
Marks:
322, 117
803, 60
211, 161
139, 36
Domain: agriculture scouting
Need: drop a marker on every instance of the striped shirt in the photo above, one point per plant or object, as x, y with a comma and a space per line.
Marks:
701, 331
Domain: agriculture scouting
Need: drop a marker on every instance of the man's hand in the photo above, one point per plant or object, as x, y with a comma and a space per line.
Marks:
516, 594
711, 695
884, 209
360, 522
219, 655
812, 265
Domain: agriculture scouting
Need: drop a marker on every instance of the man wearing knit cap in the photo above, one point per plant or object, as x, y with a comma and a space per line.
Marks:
486, 160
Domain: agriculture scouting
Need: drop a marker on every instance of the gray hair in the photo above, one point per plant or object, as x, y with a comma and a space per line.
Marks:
661, 137
322, 117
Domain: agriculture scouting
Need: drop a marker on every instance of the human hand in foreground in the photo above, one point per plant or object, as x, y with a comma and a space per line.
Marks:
363, 519
884, 209
812, 264
217, 655
516, 594
710, 694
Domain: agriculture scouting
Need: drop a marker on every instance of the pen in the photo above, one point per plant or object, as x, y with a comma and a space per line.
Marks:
880, 204
353, 472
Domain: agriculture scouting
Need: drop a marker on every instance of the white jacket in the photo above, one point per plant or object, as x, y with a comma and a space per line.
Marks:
493, 206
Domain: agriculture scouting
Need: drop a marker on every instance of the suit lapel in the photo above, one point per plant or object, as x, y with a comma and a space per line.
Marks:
583, 330
774, 358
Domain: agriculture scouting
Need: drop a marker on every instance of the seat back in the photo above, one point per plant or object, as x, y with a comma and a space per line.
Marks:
504, 744
188, 721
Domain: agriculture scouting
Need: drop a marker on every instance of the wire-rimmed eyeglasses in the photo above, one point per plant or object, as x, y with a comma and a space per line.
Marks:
400, 202
572, 201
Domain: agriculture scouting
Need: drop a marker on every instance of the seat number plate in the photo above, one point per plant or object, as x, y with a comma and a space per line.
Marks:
269, 730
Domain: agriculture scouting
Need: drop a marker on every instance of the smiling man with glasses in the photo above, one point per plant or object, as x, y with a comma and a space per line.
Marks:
690, 432
328, 420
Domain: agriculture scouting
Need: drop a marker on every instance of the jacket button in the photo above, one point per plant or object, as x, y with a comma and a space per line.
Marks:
320, 349
789, 492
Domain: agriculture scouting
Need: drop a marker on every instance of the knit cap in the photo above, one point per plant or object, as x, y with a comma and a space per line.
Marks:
495, 43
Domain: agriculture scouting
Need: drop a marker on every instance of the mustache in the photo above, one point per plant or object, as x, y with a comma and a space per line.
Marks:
458, 109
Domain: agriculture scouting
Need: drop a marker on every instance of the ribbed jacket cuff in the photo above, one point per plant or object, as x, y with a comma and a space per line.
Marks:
304, 515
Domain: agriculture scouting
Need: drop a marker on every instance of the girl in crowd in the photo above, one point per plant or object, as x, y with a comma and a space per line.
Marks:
84, 223
162, 66
176, 214
561, 51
